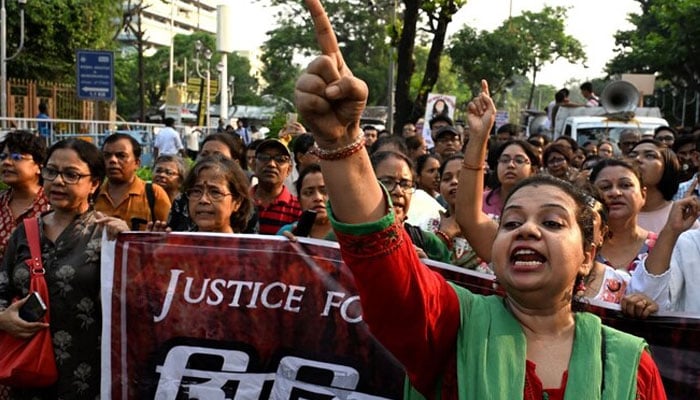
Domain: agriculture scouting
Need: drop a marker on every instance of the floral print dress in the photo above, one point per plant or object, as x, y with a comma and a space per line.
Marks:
72, 266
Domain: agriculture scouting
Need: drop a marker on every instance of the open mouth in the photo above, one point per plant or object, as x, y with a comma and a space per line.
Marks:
526, 258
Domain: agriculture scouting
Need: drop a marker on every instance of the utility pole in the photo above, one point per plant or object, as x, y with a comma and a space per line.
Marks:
3, 53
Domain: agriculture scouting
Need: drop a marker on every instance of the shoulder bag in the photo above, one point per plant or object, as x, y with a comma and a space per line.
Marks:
30, 362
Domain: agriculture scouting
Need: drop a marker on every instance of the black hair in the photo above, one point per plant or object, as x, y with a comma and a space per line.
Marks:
234, 147
571, 141
414, 142
135, 145
381, 156
453, 157
670, 179
496, 154
27, 143
89, 154
422, 160
309, 169
587, 86
397, 141
557, 148
614, 162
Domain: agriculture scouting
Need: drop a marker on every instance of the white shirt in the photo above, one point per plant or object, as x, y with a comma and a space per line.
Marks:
423, 209
168, 142
684, 287
192, 138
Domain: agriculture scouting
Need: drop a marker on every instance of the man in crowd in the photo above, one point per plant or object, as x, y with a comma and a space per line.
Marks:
167, 141
628, 139
688, 155
371, 134
125, 195
507, 133
275, 205
448, 142
587, 93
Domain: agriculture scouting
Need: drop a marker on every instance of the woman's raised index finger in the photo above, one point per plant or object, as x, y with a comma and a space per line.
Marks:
485, 87
325, 36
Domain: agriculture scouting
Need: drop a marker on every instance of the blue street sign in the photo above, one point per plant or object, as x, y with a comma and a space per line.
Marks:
95, 73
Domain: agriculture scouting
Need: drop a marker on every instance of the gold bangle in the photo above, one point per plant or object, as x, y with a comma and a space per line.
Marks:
468, 166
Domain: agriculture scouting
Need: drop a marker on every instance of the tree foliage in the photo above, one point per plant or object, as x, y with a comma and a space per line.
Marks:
54, 31
361, 32
664, 42
522, 45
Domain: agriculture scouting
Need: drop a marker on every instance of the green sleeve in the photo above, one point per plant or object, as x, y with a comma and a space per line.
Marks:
364, 228
435, 248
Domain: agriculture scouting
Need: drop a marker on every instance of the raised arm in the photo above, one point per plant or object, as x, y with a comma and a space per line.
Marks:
477, 227
331, 101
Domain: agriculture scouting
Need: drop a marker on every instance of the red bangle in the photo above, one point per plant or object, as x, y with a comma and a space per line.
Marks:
442, 235
341, 152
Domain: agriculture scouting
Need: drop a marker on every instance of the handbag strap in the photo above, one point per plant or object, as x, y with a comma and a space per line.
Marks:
31, 227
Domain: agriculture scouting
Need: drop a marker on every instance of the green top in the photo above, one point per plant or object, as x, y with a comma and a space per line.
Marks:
433, 246
491, 348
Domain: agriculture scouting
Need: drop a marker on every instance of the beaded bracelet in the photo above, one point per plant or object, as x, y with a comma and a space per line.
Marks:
466, 165
442, 235
341, 152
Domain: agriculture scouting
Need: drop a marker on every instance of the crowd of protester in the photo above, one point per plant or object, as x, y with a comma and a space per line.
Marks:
450, 202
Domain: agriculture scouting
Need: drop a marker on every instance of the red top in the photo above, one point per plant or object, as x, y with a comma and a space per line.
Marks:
9, 222
415, 314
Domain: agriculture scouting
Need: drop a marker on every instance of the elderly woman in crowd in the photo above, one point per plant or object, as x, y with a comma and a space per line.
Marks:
70, 236
21, 156
218, 196
169, 172
215, 144
455, 344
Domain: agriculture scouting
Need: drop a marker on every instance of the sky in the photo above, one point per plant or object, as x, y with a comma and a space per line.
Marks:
592, 22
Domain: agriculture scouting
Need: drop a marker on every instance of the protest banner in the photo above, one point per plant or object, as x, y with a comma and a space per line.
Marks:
258, 317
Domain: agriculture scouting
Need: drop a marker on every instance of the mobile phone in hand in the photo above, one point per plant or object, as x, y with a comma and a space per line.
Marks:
33, 309
291, 119
306, 222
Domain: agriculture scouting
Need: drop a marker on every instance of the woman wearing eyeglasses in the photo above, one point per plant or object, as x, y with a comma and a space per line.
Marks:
217, 192
395, 172
168, 173
515, 161
71, 237
557, 161
21, 156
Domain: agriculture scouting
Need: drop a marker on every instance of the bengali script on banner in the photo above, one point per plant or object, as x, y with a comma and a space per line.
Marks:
198, 316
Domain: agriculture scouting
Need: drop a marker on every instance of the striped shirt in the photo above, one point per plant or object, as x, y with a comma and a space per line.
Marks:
285, 209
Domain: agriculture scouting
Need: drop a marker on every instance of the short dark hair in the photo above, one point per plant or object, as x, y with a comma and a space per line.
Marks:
615, 162
89, 154
302, 144
561, 95
682, 140
511, 129
309, 169
26, 142
557, 148
170, 121
135, 145
568, 139
234, 147
237, 184
397, 141
587, 86
379, 157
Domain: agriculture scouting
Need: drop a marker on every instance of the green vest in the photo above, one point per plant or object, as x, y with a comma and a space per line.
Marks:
492, 349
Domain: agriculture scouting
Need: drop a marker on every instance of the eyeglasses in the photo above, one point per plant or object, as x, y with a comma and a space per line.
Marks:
518, 160
69, 177
214, 194
165, 171
556, 161
279, 159
14, 156
390, 184
668, 138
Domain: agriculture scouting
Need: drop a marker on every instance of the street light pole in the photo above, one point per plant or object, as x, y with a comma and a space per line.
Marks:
3, 53
172, 43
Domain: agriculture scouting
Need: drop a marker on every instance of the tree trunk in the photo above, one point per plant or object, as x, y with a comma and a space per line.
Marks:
432, 67
532, 87
405, 65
